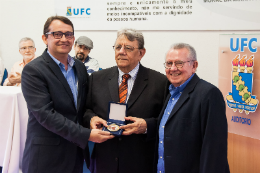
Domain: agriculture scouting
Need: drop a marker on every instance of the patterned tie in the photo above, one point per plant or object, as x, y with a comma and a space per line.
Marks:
123, 88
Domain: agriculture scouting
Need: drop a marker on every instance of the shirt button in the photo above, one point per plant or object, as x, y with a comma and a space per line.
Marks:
161, 157
162, 126
116, 159
160, 171
172, 98
168, 112
161, 142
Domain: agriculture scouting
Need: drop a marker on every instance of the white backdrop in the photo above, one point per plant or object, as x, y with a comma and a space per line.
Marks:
26, 19
161, 14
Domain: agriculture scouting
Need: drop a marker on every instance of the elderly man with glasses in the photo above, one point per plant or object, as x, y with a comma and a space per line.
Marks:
192, 127
27, 50
142, 89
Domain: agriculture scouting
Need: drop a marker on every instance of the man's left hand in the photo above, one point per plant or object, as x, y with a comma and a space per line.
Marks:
137, 127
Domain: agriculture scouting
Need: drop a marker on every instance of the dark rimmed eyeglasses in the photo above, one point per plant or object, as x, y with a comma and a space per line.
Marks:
59, 34
178, 64
127, 48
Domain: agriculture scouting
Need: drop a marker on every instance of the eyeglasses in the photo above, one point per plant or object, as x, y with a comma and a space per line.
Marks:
24, 48
178, 64
59, 34
127, 48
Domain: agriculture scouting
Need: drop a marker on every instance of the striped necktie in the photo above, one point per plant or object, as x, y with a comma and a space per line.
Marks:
123, 88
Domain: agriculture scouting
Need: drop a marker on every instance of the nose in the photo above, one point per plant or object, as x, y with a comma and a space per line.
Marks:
63, 38
122, 50
27, 49
173, 67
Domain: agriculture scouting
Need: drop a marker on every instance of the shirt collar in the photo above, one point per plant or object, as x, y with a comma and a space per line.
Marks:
87, 59
71, 61
180, 88
132, 73
21, 63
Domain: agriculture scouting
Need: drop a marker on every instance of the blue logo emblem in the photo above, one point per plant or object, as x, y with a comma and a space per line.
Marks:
68, 11
241, 97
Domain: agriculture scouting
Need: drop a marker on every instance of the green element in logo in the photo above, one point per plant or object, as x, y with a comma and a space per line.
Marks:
246, 96
236, 79
241, 87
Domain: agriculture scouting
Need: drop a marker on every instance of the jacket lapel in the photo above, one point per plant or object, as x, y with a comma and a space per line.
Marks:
79, 83
57, 72
139, 85
113, 84
184, 96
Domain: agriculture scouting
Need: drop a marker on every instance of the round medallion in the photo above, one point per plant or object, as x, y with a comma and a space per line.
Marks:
113, 127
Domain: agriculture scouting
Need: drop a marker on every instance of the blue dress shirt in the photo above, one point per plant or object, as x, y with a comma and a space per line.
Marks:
69, 75
175, 95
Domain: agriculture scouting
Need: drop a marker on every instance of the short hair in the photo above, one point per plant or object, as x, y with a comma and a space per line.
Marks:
192, 52
132, 35
26, 39
52, 18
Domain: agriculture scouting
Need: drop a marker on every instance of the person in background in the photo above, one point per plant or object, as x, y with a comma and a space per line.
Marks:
142, 89
54, 86
2, 70
82, 47
192, 136
27, 50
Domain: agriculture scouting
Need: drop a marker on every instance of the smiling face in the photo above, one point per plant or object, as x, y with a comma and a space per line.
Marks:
59, 47
178, 76
127, 61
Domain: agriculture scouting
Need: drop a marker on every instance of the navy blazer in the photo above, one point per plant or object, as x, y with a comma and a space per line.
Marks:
195, 134
133, 153
54, 133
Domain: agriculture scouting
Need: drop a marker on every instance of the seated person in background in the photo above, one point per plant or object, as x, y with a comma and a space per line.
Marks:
27, 50
82, 48
2, 70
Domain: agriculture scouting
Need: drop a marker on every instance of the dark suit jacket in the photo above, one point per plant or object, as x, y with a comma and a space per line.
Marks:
53, 134
134, 153
195, 135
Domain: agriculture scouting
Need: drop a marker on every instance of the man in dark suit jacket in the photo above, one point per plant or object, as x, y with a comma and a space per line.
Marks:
192, 135
133, 152
55, 89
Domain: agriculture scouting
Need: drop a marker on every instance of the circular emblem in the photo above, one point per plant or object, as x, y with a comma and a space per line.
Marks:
113, 127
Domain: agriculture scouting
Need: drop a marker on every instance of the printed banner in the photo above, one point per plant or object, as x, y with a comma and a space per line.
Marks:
239, 81
161, 14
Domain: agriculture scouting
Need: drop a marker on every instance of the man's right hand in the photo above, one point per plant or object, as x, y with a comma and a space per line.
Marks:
99, 136
96, 123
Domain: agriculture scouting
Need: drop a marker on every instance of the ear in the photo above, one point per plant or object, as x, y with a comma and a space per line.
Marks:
44, 39
142, 52
195, 66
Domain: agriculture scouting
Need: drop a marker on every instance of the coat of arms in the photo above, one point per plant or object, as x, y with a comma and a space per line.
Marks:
241, 97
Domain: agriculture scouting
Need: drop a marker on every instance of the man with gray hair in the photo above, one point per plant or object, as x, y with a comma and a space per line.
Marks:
27, 50
142, 89
82, 47
192, 128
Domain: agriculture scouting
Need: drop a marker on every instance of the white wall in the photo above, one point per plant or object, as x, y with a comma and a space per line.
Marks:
26, 19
